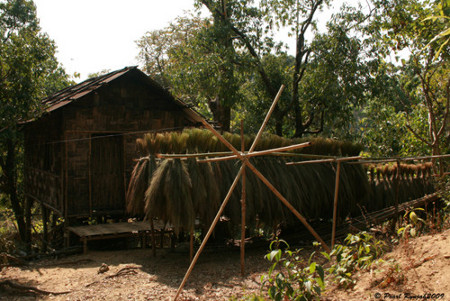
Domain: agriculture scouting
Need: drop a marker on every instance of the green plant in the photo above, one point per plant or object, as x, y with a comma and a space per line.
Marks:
359, 251
443, 186
294, 279
413, 223
8, 231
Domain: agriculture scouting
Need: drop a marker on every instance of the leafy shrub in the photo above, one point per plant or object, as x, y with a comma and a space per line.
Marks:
359, 251
289, 277
8, 232
413, 225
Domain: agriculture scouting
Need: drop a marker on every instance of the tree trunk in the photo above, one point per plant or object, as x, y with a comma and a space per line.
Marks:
221, 113
11, 186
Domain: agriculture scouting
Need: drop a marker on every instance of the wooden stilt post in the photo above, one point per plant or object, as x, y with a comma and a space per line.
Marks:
397, 195
152, 228
336, 193
397, 186
208, 234
44, 212
243, 206
27, 211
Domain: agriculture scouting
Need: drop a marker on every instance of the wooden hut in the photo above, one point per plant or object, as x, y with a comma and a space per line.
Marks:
79, 154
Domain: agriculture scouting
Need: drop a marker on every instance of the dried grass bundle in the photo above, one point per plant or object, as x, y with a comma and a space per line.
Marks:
136, 189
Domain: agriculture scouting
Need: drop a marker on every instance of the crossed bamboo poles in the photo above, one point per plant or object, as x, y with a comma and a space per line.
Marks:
246, 163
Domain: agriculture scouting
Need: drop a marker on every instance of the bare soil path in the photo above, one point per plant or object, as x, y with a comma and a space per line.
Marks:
414, 268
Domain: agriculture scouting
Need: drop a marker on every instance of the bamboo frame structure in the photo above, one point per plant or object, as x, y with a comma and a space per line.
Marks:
384, 160
245, 163
336, 187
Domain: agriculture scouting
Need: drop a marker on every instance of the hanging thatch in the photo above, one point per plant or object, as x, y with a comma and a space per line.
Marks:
413, 182
181, 191
203, 141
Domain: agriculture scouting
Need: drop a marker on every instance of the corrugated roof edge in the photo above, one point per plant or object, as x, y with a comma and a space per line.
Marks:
79, 90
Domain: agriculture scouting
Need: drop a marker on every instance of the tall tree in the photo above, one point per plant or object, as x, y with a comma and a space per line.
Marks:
190, 58
28, 71
404, 26
239, 26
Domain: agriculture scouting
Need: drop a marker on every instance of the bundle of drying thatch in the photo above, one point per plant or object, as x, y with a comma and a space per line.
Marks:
388, 182
180, 191
204, 141
139, 183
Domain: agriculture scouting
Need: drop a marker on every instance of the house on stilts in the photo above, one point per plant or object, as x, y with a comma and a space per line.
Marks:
79, 153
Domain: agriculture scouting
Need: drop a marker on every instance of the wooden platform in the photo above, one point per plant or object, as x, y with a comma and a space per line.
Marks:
107, 231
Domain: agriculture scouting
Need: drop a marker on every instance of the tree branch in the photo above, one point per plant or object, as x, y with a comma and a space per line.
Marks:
417, 135
320, 130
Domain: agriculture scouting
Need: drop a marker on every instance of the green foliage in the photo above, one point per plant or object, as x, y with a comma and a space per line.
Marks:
443, 186
403, 30
359, 251
289, 277
8, 231
414, 223
29, 71
29, 68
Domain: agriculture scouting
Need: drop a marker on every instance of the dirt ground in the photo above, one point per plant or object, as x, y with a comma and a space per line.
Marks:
420, 266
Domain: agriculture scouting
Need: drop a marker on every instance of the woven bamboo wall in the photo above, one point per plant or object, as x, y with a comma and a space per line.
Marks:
60, 172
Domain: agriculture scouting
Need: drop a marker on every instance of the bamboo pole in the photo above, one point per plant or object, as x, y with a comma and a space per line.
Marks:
268, 184
382, 160
243, 158
229, 153
208, 234
258, 153
397, 186
325, 160
243, 206
336, 193
287, 204
183, 156
269, 113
